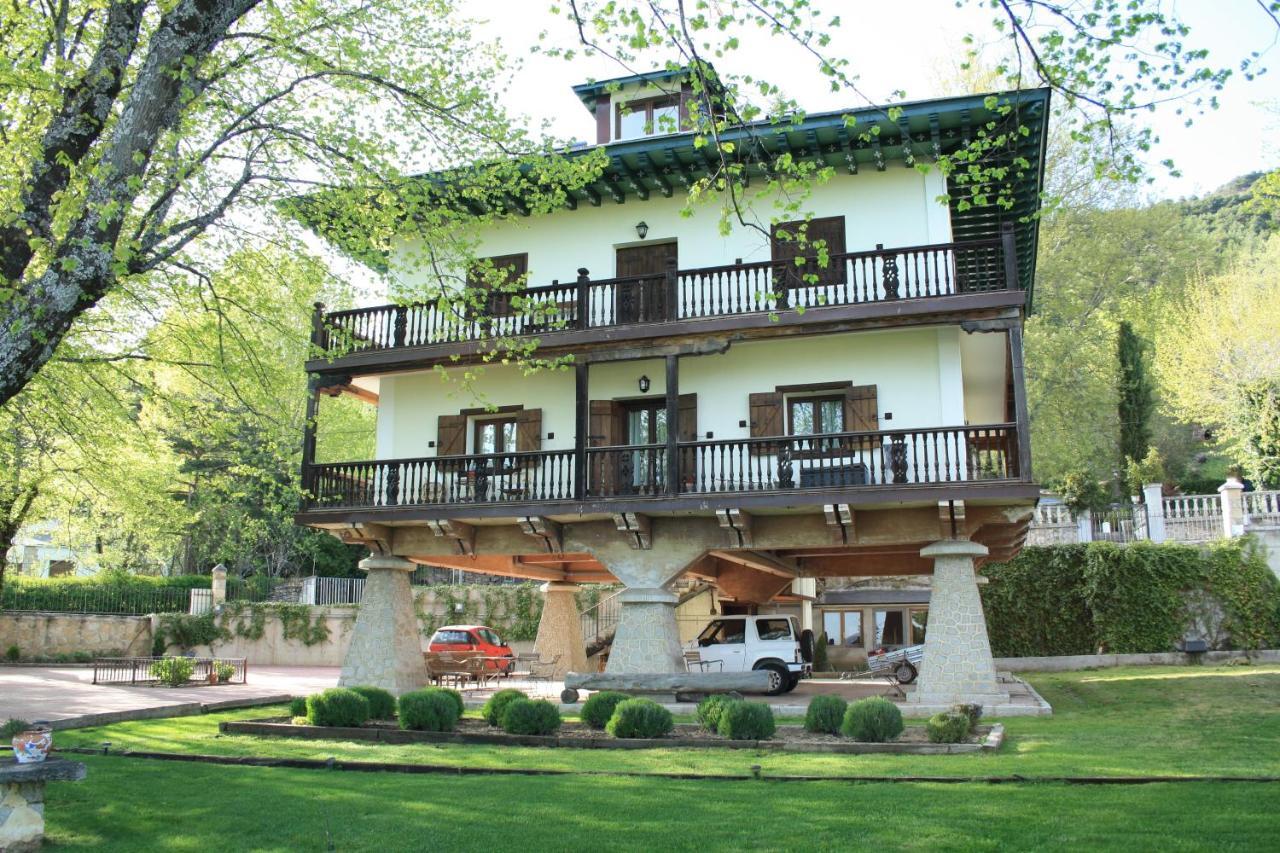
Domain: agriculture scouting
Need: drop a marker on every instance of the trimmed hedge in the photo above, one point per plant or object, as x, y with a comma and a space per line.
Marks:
710, 709
640, 718
825, 714
498, 702
1132, 599
747, 721
456, 696
298, 706
872, 720
598, 709
530, 717
948, 727
337, 706
429, 710
382, 705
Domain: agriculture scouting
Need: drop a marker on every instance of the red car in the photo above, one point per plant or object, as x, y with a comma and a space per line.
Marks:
474, 641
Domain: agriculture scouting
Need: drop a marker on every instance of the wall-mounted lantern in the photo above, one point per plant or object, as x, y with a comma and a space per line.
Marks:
644, 384
642, 229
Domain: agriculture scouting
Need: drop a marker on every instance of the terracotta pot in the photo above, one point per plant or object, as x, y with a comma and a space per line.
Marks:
32, 746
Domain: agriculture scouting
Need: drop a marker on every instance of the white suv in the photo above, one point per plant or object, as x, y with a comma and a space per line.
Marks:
743, 643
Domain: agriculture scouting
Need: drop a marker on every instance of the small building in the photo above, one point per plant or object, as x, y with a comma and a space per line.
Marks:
739, 409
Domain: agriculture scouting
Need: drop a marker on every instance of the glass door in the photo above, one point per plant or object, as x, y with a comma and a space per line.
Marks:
646, 425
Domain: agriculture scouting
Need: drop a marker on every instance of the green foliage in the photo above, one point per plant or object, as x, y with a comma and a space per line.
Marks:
825, 714
599, 706
872, 720
1077, 599
429, 710
456, 696
971, 710
947, 727
747, 721
13, 653
640, 718
497, 703
105, 592
530, 717
298, 706
174, 672
821, 660
224, 671
337, 706
12, 728
186, 632
1081, 491
513, 610
1150, 469
382, 705
710, 709
1135, 393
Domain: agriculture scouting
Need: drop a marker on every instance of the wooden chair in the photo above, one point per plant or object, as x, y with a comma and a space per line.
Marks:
542, 670
694, 663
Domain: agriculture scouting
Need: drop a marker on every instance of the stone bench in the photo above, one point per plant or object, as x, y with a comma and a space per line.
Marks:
683, 686
22, 799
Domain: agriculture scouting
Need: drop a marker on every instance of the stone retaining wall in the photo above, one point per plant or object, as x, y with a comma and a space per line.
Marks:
1062, 663
40, 634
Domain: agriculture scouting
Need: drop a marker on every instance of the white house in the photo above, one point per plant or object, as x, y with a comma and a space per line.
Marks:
731, 412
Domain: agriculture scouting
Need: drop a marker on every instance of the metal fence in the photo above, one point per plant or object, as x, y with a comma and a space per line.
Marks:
1120, 523
317, 590
1193, 518
1262, 507
141, 671
62, 597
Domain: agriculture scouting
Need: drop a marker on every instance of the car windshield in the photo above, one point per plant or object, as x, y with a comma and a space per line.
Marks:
489, 637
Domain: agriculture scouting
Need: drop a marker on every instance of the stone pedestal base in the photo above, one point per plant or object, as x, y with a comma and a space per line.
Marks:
560, 630
957, 665
647, 639
22, 800
385, 650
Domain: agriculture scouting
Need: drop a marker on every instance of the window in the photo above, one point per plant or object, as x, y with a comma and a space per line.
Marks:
889, 628
774, 629
489, 637
843, 627
650, 117
724, 631
499, 276
456, 638
815, 415
919, 620
496, 435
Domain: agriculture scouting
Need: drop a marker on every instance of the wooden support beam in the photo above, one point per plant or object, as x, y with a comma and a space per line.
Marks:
462, 534
637, 528
738, 525
876, 153
759, 561
657, 174
850, 155
632, 178
503, 565
375, 537
951, 521
514, 203
935, 137
812, 149
611, 182
840, 520
908, 153
546, 531
681, 168
592, 195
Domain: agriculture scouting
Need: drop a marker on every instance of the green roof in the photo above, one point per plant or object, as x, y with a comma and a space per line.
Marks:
589, 93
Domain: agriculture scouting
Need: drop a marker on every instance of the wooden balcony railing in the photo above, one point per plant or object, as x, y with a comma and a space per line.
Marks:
782, 464
881, 275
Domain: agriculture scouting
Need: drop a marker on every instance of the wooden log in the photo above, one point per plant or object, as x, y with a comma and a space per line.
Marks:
756, 681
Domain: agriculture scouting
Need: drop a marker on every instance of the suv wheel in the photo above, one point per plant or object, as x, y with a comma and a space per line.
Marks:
779, 678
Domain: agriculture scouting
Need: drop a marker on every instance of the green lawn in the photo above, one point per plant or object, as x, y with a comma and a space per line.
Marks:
1139, 721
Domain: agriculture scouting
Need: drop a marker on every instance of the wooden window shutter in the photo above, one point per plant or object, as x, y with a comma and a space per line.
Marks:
528, 430
687, 418
766, 414
827, 228
606, 430
861, 410
604, 423
451, 435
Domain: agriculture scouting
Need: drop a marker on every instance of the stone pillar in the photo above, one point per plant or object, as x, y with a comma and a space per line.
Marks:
219, 584
1232, 494
647, 639
1153, 497
957, 665
385, 650
22, 799
1084, 526
560, 629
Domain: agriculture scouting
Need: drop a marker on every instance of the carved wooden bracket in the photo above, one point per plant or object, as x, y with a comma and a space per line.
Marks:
549, 532
637, 529
463, 534
840, 519
738, 525
375, 537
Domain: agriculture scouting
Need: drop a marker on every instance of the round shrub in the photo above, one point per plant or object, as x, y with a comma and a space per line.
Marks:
872, 720
598, 709
825, 715
498, 702
747, 721
530, 717
947, 728
298, 706
430, 710
971, 710
456, 696
337, 706
382, 705
642, 718
709, 711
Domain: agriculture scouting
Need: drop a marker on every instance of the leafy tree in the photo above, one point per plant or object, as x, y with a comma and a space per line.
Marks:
1135, 393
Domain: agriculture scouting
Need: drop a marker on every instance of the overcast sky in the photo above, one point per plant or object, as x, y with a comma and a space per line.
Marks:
910, 45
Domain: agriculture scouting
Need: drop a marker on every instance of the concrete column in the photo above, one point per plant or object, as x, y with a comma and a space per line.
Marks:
957, 665
807, 587
1153, 496
1232, 494
647, 639
560, 629
385, 650
219, 584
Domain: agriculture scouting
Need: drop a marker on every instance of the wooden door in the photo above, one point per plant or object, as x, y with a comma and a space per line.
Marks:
644, 297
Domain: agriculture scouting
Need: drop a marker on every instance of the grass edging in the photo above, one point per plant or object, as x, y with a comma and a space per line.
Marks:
274, 728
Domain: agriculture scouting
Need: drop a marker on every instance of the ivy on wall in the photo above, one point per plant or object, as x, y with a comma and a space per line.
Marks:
511, 610
1082, 599
247, 620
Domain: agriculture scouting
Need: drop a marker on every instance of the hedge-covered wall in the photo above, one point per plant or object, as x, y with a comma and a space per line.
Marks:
1082, 599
